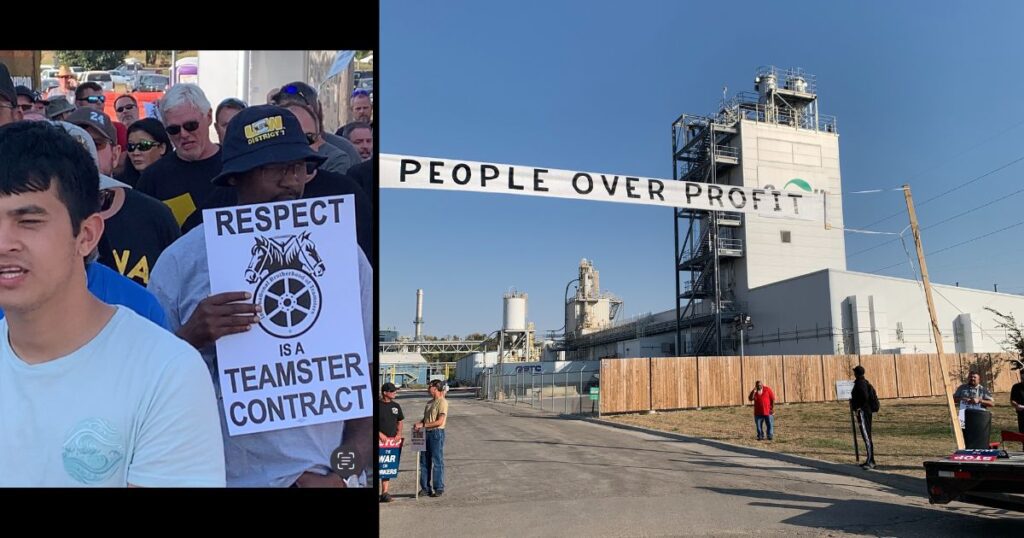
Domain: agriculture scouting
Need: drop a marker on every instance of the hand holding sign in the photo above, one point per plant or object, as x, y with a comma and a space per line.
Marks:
219, 315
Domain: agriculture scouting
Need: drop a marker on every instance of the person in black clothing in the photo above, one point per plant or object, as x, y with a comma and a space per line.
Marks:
1017, 401
860, 402
182, 179
362, 174
389, 417
147, 144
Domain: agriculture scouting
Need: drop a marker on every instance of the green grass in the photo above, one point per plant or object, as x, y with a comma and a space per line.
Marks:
906, 432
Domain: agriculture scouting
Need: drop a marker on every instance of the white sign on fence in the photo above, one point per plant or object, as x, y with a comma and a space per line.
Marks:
409, 172
844, 389
305, 361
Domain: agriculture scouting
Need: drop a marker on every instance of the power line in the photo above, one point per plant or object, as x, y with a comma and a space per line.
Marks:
954, 189
1014, 225
958, 215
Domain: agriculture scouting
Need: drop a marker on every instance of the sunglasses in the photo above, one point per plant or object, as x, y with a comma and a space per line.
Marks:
106, 199
360, 91
189, 126
145, 145
94, 99
25, 108
125, 107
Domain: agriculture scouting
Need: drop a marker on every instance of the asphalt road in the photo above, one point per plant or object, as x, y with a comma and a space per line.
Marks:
515, 471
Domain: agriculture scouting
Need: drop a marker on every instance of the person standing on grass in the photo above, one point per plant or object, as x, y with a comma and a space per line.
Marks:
1017, 401
864, 402
764, 410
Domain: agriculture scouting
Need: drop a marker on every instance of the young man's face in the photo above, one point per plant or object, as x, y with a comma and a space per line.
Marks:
96, 104
38, 250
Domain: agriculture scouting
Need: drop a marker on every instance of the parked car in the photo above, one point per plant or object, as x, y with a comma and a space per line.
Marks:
152, 83
103, 78
47, 83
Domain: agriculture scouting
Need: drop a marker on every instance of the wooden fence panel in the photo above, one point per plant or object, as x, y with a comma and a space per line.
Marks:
953, 363
913, 374
838, 368
719, 379
804, 378
674, 382
625, 385
767, 369
880, 370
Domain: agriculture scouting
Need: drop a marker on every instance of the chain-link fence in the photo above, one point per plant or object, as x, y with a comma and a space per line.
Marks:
570, 393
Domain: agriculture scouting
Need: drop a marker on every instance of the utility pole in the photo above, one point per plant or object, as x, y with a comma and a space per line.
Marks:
953, 415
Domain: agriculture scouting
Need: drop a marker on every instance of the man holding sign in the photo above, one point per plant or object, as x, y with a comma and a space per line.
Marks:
390, 417
278, 299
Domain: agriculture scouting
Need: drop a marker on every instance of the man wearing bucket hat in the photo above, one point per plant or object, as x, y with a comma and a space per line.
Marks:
266, 170
58, 108
138, 227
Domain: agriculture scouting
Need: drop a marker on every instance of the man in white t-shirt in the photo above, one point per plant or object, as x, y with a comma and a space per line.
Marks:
90, 394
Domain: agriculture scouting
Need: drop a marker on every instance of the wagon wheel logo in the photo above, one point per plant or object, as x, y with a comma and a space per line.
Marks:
283, 269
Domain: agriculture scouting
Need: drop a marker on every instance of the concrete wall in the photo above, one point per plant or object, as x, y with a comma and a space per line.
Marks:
901, 303
773, 155
790, 317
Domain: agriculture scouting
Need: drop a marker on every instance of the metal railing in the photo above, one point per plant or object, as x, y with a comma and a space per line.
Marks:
566, 393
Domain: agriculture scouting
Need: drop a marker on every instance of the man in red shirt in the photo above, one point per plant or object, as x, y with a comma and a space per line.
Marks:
764, 409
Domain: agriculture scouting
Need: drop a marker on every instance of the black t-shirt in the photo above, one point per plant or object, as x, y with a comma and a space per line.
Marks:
324, 184
182, 185
1017, 394
362, 174
136, 235
129, 175
388, 415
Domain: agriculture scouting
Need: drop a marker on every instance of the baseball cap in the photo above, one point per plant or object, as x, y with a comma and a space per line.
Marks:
388, 387
261, 135
83, 138
25, 91
88, 117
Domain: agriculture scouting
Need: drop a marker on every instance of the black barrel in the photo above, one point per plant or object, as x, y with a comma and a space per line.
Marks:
979, 428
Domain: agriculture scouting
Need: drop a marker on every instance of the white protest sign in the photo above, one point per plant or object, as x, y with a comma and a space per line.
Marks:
844, 389
305, 361
409, 172
419, 440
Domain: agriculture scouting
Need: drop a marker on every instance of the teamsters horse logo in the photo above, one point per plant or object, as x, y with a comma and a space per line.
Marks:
284, 268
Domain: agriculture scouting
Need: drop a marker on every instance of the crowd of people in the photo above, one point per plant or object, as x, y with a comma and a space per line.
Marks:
103, 262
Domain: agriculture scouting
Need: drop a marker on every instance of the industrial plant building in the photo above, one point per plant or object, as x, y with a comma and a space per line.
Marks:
784, 283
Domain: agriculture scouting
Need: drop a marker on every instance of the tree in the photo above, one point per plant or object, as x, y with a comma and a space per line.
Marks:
91, 60
1014, 342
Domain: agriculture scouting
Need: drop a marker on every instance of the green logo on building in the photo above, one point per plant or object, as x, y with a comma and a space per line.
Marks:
799, 183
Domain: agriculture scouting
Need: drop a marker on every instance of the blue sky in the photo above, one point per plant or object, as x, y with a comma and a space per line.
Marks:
925, 92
